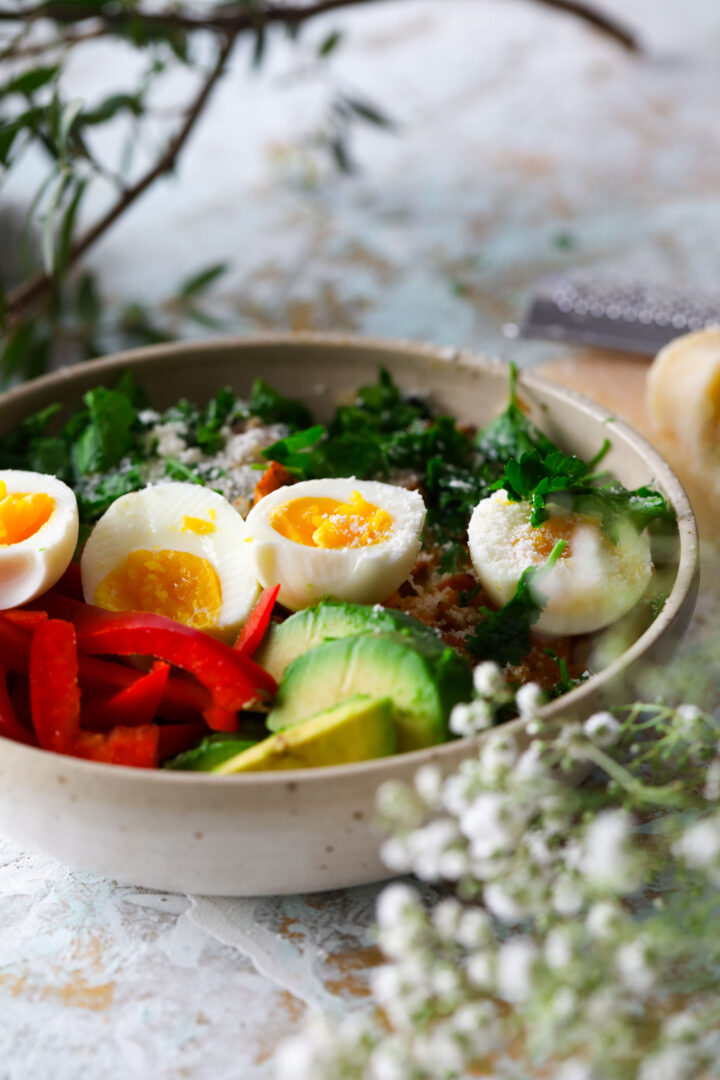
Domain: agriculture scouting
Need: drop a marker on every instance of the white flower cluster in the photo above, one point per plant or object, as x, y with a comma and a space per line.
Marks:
551, 941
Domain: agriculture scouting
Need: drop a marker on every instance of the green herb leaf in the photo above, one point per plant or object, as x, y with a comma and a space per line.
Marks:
106, 438
273, 408
504, 635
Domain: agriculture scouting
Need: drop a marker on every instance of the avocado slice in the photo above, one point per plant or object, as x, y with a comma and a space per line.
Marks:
357, 729
210, 753
423, 677
285, 641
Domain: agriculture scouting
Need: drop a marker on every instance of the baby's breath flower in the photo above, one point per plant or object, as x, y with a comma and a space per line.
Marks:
488, 680
428, 784
469, 718
515, 961
529, 700
447, 917
503, 906
699, 844
633, 966
474, 929
558, 948
603, 919
606, 858
567, 898
602, 728
712, 782
672, 1063
688, 720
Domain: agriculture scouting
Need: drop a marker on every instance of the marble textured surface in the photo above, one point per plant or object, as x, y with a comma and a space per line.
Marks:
525, 145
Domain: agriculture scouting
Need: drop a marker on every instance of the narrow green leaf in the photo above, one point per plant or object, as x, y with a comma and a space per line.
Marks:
68, 115
110, 107
369, 112
67, 228
30, 81
260, 43
329, 44
201, 281
339, 151
87, 299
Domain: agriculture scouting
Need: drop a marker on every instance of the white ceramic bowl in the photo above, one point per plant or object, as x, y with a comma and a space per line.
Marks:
310, 829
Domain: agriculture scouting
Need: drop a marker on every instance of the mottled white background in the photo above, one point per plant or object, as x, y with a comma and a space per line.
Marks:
525, 145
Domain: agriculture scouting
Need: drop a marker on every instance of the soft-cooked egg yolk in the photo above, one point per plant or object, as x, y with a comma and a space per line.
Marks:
22, 514
328, 523
177, 584
541, 540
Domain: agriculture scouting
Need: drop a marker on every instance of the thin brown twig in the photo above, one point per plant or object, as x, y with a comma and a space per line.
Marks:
40, 283
234, 20
63, 41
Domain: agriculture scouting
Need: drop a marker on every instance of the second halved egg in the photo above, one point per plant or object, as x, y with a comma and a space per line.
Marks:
175, 549
350, 539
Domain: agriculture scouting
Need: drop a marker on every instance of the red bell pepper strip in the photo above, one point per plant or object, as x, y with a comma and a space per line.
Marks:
133, 706
10, 725
137, 746
183, 698
175, 738
54, 690
70, 584
257, 623
14, 645
220, 719
233, 681
28, 619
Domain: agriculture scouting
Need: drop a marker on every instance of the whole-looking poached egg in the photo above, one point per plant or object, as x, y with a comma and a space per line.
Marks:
594, 581
175, 549
350, 539
38, 534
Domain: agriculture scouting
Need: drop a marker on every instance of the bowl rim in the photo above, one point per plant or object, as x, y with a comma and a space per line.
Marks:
688, 560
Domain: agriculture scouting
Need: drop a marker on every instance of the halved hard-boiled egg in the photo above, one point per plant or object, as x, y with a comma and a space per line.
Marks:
350, 539
593, 583
175, 549
38, 534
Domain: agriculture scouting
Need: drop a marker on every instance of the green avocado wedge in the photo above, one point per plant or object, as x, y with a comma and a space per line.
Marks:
210, 753
358, 729
424, 679
330, 619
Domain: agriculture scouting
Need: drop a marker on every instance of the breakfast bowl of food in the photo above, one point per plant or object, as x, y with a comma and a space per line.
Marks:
245, 582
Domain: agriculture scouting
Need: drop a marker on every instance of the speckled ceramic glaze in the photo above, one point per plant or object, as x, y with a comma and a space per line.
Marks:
310, 829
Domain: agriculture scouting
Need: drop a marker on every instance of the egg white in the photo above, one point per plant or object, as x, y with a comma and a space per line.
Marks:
152, 519
32, 566
591, 588
364, 575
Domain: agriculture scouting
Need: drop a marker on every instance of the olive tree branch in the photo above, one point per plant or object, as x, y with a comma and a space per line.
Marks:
40, 284
235, 20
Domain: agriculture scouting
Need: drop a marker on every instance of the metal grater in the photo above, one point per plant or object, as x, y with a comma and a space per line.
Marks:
630, 316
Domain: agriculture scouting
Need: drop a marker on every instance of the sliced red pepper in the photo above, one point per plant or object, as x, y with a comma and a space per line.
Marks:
175, 738
28, 619
257, 623
133, 706
54, 690
220, 719
233, 681
14, 645
183, 698
136, 746
10, 725
70, 584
